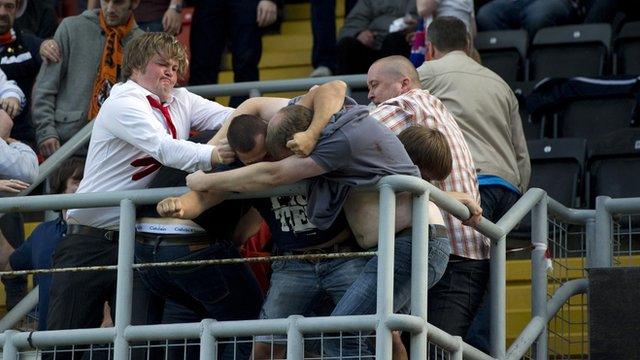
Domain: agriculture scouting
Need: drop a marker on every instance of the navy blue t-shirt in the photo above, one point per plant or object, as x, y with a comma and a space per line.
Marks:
289, 223
36, 253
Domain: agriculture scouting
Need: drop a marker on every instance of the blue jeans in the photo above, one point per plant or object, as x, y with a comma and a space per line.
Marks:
221, 292
529, 14
297, 287
360, 299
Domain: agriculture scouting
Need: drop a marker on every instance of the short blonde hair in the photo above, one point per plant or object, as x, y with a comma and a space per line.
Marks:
429, 150
140, 50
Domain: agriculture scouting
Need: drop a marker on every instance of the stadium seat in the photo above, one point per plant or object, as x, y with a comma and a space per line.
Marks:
591, 118
614, 166
533, 126
504, 52
627, 49
571, 50
557, 166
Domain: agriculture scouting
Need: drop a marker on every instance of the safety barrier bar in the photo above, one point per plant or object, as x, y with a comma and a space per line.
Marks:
534, 198
384, 316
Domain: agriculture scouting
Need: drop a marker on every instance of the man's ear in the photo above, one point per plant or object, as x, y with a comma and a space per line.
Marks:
430, 52
134, 4
406, 83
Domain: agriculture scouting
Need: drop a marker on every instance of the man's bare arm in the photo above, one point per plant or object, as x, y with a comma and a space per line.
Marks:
189, 205
256, 177
263, 107
325, 100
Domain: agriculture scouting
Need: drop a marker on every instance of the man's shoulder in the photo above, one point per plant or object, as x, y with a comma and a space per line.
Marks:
86, 18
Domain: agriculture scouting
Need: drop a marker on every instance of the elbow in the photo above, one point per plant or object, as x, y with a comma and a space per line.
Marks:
338, 87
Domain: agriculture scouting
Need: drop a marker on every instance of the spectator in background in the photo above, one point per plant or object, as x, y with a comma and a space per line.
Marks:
69, 91
39, 18
323, 29
532, 15
20, 61
236, 24
486, 110
18, 168
155, 15
366, 35
461, 9
599, 11
36, 252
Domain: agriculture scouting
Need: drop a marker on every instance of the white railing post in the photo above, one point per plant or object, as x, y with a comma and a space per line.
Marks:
124, 285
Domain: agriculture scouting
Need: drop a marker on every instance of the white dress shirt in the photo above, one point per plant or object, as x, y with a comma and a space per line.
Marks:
127, 128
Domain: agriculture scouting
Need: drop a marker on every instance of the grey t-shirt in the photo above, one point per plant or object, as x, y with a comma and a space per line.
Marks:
356, 150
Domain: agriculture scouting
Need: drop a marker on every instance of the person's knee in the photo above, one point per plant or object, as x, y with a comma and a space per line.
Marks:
488, 16
544, 13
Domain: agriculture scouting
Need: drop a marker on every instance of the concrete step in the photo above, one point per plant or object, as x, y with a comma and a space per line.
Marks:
274, 59
304, 26
303, 11
286, 43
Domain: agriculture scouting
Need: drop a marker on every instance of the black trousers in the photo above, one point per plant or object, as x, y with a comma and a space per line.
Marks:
77, 298
220, 24
15, 287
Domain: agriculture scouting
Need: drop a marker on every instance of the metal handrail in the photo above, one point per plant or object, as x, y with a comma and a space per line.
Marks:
529, 334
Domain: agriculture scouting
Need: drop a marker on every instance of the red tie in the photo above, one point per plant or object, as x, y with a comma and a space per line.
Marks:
151, 164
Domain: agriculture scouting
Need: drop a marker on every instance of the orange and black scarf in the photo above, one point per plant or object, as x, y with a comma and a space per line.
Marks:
110, 62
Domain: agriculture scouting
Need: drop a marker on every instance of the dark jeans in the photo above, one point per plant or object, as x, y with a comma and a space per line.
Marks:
221, 292
355, 58
323, 28
495, 202
15, 287
218, 24
531, 15
453, 301
77, 298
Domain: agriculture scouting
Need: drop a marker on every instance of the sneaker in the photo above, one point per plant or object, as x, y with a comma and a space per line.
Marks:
321, 71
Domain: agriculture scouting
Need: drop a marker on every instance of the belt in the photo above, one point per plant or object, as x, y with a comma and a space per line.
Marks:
330, 249
84, 230
174, 239
435, 230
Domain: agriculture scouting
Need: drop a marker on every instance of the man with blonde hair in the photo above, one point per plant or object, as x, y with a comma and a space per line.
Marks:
142, 125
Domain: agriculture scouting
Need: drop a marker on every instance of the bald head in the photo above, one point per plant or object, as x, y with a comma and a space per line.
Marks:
390, 77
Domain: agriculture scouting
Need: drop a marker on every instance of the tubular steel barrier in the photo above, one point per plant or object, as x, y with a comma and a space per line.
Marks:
575, 240
122, 335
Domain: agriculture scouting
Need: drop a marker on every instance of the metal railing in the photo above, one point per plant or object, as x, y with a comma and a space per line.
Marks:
384, 321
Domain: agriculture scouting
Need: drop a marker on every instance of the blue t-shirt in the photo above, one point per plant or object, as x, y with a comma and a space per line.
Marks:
36, 253
289, 223
492, 180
